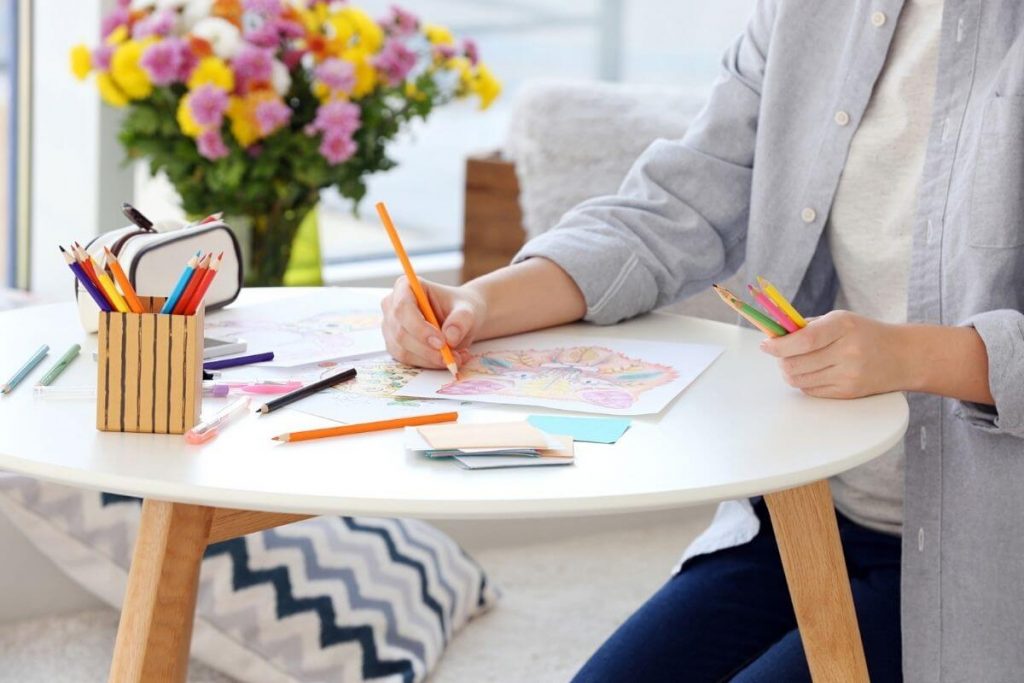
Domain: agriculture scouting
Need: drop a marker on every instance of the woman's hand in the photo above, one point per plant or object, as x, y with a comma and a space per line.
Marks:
412, 340
843, 355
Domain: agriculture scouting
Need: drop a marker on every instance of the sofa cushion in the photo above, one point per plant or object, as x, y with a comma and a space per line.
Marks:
329, 598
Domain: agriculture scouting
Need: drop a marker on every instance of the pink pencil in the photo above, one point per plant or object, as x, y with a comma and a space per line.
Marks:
774, 311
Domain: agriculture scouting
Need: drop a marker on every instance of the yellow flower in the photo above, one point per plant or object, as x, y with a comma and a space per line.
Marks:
438, 35
243, 121
352, 28
413, 92
486, 86
464, 68
212, 70
126, 72
118, 35
186, 121
109, 91
81, 61
366, 74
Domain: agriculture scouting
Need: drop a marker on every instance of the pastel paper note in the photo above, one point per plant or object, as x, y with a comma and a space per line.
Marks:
563, 455
554, 370
589, 429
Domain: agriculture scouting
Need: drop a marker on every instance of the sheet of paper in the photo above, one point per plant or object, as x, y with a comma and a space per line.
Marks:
589, 429
553, 370
310, 328
518, 434
492, 462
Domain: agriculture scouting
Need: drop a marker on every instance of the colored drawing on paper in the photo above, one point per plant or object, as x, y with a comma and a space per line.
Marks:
303, 331
554, 369
589, 374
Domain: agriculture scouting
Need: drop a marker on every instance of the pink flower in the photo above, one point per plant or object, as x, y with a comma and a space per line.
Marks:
101, 57
401, 23
119, 16
444, 51
268, 8
292, 58
337, 118
167, 61
208, 103
336, 74
471, 51
211, 144
157, 24
265, 35
253, 65
271, 115
162, 62
337, 148
395, 61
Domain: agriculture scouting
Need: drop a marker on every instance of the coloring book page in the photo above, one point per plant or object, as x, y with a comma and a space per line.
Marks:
555, 370
307, 329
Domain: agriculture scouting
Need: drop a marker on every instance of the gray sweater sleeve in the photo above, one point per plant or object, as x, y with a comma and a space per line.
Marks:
679, 220
1003, 334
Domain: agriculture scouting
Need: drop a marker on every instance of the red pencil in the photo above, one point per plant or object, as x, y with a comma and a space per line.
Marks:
197, 296
83, 259
193, 284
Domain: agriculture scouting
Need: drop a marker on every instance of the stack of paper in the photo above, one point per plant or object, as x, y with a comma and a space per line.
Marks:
477, 446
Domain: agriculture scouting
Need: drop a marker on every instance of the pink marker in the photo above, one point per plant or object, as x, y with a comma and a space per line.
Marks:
774, 311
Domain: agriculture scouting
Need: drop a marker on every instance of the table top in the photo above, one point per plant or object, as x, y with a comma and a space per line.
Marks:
737, 431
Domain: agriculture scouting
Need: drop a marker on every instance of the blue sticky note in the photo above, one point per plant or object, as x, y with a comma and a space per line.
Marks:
592, 429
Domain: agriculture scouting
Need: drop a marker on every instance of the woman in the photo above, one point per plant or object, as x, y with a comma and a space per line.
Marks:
866, 157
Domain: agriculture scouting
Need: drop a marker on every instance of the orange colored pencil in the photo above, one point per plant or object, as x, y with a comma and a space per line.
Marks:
197, 296
417, 287
193, 284
363, 427
130, 297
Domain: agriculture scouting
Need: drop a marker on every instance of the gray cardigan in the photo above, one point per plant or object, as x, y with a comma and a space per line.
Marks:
752, 182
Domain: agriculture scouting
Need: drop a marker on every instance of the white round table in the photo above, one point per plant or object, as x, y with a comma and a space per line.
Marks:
737, 431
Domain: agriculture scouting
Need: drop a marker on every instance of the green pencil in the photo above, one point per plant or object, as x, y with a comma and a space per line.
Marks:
59, 367
32, 362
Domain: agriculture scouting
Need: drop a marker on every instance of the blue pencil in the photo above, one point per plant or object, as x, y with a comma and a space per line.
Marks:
35, 360
86, 281
172, 300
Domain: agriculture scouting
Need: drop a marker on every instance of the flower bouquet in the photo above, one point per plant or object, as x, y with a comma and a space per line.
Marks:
251, 107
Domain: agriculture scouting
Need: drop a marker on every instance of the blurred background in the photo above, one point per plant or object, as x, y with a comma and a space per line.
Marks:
61, 171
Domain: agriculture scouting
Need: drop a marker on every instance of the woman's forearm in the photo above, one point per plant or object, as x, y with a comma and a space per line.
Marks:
530, 295
948, 361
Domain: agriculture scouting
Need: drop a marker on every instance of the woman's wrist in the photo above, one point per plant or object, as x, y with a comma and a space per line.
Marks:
943, 360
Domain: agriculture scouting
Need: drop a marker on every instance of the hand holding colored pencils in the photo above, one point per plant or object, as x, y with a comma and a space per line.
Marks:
779, 317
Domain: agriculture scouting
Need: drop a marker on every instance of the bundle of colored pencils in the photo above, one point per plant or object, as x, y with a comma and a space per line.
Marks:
102, 282
779, 317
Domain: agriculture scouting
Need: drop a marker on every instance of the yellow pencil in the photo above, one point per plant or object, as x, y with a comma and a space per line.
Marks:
108, 288
130, 297
781, 301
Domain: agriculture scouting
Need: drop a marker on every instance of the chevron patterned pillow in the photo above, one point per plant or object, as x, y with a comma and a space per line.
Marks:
329, 598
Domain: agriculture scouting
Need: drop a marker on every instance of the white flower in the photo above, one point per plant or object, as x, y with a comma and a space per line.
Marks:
169, 4
223, 36
141, 5
280, 78
195, 11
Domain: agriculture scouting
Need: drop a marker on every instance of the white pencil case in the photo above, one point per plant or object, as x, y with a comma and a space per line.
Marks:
154, 259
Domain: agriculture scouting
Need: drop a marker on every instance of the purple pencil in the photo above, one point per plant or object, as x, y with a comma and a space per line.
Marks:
96, 295
238, 360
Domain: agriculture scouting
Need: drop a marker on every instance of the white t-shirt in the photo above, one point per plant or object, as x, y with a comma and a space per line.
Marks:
869, 227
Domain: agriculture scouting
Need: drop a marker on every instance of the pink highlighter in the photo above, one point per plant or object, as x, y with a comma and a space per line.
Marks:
262, 387
208, 429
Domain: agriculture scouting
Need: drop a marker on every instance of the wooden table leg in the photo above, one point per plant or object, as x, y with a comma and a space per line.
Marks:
154, 635
812, 557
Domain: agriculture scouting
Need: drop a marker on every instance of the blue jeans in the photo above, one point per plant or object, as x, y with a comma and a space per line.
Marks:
727, 616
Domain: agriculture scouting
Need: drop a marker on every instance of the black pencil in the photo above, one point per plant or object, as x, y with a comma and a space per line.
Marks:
308, 390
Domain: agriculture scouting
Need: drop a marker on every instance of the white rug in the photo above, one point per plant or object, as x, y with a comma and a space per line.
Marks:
561, 600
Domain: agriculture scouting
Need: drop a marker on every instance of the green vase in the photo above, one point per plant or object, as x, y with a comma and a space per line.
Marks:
281, 247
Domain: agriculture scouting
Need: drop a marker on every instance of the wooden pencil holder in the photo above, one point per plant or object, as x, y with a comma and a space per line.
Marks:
150, 371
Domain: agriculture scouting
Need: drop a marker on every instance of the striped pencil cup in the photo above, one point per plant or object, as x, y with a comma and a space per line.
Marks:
150, 371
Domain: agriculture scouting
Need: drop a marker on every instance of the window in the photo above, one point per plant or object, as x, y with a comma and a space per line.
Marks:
7, 160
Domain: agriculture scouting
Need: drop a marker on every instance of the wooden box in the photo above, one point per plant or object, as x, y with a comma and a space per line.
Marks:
150, 371
492, 222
